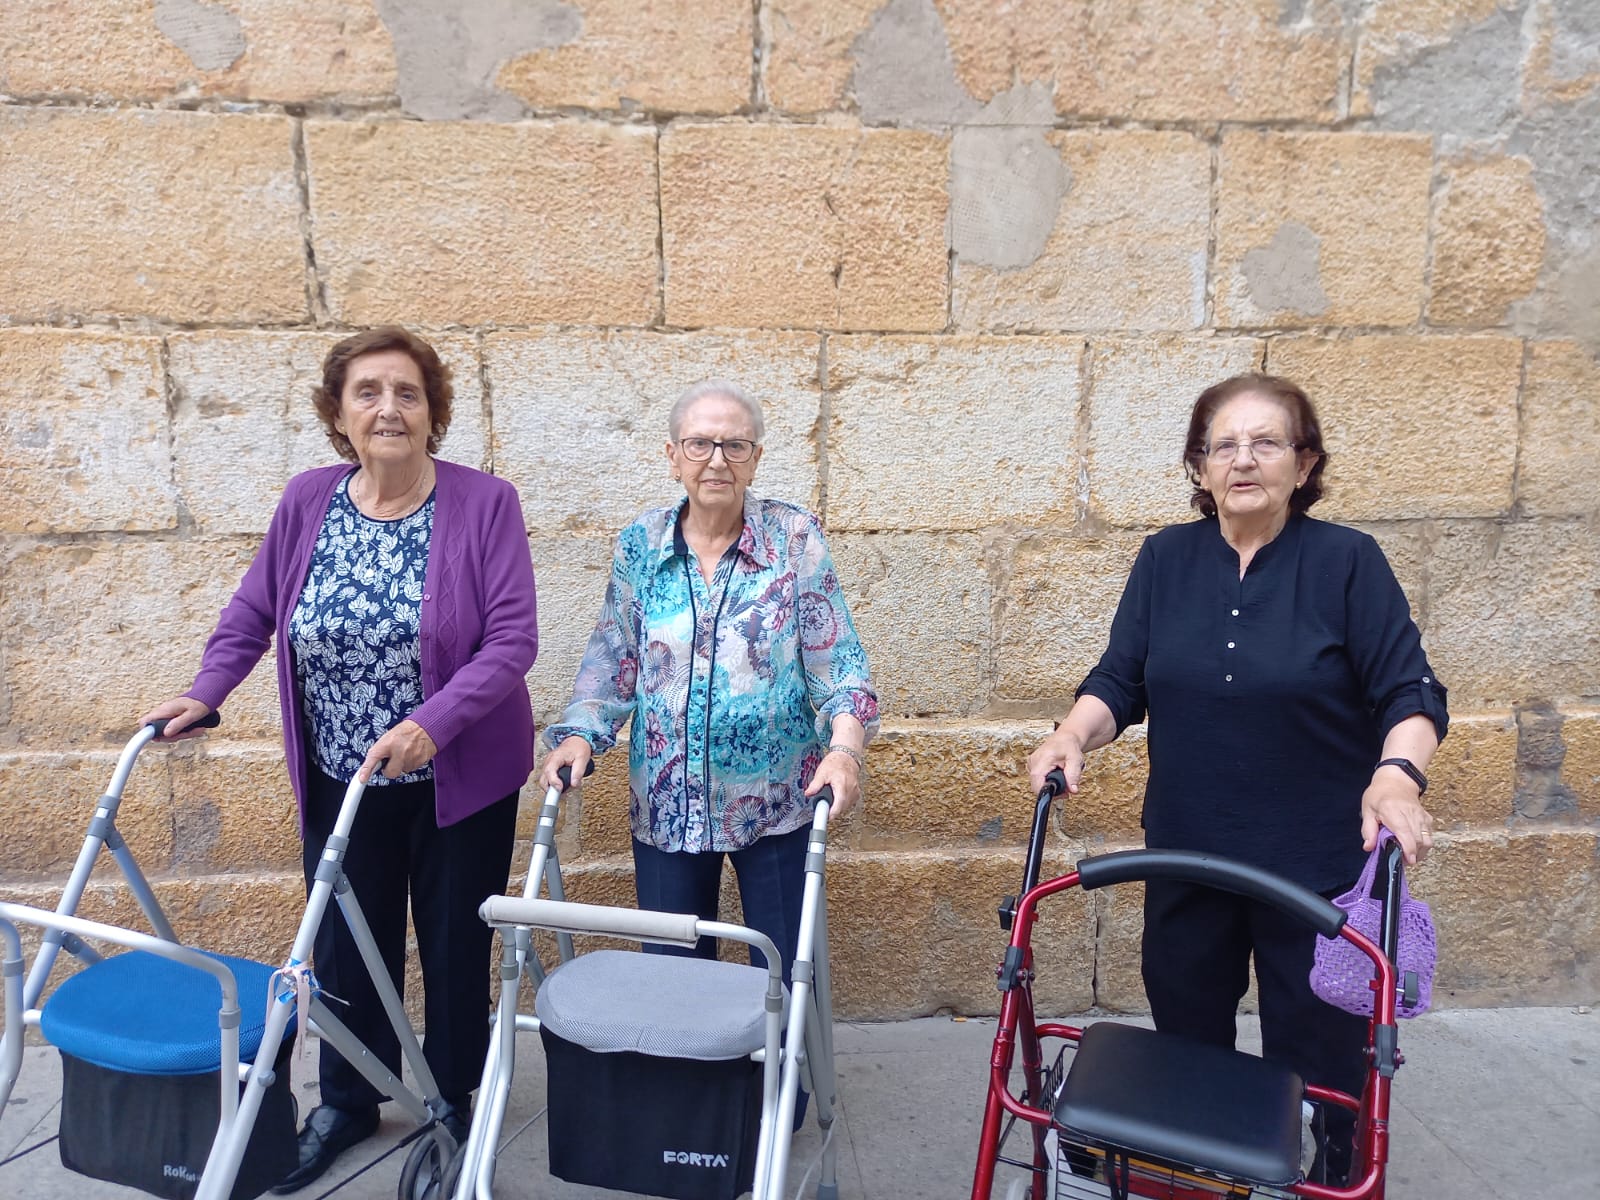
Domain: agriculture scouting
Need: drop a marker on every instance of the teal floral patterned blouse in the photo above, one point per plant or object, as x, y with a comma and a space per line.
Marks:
732, 688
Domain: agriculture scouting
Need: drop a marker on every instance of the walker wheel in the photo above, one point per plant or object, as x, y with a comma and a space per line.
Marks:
430, 1173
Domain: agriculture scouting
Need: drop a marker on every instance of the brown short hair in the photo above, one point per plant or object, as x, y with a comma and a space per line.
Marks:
336, 366
1305, 432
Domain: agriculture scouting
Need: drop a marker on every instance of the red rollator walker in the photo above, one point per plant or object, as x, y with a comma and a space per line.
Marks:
1122, 1111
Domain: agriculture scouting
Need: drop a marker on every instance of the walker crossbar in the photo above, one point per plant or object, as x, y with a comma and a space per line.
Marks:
1211, 870
676, 929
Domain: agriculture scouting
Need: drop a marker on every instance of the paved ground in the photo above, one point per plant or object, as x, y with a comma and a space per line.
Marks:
1497, 1104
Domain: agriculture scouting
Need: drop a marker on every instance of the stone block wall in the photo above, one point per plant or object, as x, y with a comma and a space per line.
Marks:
977, 259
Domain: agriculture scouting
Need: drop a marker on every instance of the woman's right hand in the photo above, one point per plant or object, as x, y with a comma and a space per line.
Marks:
180, 712
574, 752
1061, 749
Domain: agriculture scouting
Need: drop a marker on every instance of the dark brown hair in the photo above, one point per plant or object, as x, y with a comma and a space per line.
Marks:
1305, 434
336, 367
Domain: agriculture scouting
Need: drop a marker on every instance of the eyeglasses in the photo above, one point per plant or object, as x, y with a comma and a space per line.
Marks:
734, 450
1261, 449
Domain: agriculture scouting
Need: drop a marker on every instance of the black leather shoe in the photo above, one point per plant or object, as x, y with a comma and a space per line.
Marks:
327, 1133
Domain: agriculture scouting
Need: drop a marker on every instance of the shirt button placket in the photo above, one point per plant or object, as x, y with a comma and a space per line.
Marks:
1228, 678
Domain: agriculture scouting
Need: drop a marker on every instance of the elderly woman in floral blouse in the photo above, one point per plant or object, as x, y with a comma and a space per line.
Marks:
724, 636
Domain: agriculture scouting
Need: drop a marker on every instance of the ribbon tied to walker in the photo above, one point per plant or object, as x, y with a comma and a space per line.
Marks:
1342, 975
295, 984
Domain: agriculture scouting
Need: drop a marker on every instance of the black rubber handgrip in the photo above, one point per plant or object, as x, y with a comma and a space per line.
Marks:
564, 773
210, 721
1210, 870
1056, 782
825, 792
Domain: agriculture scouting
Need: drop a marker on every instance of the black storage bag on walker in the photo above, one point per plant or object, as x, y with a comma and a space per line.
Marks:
133, 1111
651, 1087
673, 1127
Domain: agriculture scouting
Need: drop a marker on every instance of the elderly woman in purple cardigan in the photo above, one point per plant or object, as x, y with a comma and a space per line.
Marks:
400, 591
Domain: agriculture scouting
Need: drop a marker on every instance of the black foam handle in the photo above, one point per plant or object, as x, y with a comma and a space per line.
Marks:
210, 721
825, 792
1209, 870
564, 773
1056, 782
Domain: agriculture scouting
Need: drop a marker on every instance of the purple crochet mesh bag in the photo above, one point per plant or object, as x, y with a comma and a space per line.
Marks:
1341, 974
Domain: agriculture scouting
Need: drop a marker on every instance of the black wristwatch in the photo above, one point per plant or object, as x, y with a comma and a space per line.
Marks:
1410, 768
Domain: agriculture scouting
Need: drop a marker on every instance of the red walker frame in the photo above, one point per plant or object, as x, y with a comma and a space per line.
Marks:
1018, 1026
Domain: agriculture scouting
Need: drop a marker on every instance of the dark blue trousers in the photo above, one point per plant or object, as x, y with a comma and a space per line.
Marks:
771, 877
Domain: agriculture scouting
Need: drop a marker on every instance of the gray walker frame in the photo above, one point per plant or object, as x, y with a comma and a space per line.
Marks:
64, 930
798, 1040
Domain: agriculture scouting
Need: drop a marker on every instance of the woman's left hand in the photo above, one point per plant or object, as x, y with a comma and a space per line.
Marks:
407, 746
1395, 802
840, 772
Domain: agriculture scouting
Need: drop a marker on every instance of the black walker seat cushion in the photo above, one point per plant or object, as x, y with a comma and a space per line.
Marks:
1183, 1104
651, 1084
140, 1052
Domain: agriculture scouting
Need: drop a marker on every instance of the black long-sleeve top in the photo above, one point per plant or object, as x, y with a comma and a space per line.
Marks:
1269, 696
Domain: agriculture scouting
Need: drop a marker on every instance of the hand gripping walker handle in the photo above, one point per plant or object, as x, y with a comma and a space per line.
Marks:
564, 773
210, 721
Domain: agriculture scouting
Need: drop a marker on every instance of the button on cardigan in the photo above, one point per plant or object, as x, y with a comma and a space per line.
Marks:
479, 632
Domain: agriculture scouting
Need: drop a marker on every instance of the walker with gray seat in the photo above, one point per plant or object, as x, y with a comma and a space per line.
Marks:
175, 1074
667, 1076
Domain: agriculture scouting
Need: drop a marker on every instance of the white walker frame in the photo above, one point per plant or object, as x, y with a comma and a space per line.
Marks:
63, 930
808, 1013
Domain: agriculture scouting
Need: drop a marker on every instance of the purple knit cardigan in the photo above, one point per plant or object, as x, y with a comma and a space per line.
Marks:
479, 632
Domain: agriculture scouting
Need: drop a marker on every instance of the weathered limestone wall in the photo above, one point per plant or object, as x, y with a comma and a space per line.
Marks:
977, 259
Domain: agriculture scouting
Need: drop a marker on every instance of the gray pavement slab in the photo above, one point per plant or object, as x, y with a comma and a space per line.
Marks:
1493, 1104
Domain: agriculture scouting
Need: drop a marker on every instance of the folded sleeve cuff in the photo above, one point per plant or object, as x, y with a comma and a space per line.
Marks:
1426, 696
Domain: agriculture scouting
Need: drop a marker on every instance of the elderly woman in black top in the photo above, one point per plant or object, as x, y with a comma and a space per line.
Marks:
1291, 711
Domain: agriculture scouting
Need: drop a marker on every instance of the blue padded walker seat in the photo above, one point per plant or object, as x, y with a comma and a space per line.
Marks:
664, 1005
149, 1015
1183, 1104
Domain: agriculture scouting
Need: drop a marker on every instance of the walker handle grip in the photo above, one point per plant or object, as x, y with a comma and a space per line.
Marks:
1055, 784
210, 721
564, 773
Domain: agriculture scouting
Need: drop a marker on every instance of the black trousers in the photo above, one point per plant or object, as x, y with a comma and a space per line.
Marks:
396, 847
1197, 948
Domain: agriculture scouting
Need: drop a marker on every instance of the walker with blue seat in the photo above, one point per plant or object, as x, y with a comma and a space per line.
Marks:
175, 1074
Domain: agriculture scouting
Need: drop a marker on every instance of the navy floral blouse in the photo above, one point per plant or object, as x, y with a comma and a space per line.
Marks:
355, 634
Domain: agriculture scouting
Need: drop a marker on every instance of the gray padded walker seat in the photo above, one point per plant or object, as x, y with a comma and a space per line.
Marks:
658, 1004
1183, 1103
